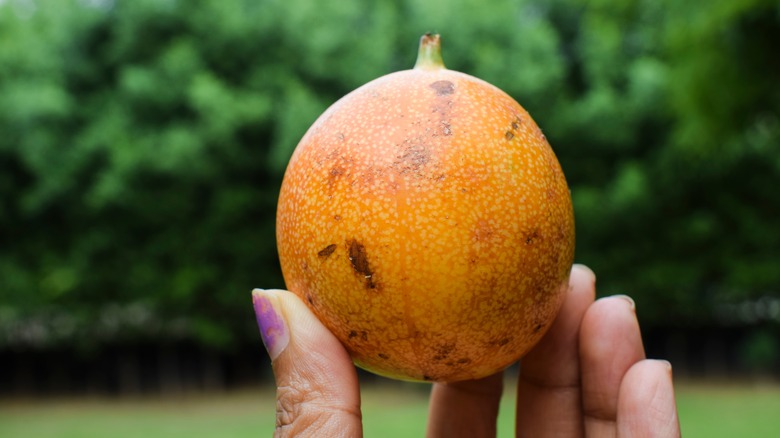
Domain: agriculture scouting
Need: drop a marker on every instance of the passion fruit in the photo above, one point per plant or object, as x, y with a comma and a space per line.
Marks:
427, 223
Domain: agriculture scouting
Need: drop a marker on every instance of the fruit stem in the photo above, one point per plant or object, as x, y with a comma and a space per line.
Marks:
429, 55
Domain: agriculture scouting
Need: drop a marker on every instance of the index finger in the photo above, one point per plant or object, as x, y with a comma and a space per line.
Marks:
548, 392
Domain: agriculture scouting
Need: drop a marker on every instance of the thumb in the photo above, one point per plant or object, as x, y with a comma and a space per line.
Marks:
317, 392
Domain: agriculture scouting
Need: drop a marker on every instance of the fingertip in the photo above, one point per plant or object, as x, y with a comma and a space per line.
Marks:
582, 282
274, 330
610, 343
305, 331
584, 270
628, 300
646, 404
612, 307
651, 370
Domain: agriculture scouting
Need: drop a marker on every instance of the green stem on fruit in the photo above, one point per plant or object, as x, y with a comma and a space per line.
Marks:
429, 55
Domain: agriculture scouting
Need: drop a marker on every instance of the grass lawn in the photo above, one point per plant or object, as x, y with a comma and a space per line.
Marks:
706, 410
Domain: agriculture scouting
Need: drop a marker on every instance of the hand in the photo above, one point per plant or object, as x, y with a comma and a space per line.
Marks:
587, 377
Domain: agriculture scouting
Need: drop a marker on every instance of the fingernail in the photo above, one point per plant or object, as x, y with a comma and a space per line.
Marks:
587, 269
273, 329
667, 364
630, 301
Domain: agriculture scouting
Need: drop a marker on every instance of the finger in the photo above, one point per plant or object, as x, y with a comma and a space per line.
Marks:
465, 409
548, 392
646, 406
317, 392
610, 343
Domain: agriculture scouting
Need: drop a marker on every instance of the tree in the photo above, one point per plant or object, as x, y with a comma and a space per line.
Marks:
143, 144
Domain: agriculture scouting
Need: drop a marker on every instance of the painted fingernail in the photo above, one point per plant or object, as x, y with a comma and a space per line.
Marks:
629, 299
273, 329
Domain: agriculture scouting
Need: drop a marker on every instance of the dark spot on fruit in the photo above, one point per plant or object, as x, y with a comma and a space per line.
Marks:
327, 251
334, 174
538, 327
509, 135
340, 136
363, 335
427, 377
443, 351
464, 360
383, 356
413, 157
484, 232
359, 260
532, 237
503, 342
516, 123
337, 217
309, 298
561, 232
443, 88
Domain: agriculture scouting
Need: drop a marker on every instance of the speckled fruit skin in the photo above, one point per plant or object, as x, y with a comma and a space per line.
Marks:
426, 221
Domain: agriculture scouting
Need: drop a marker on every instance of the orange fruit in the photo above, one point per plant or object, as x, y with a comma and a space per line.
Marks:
427, 223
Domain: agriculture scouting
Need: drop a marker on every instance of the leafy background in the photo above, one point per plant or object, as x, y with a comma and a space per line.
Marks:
142, 145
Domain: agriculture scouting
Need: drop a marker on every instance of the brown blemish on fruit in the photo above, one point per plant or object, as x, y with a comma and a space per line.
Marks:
510, 134
363, 335
412, 158
538, 327
427, 377
443, 351
383, 356
464, 360
483, 232
443, 88
327, 251
532, 237
334, 174
502, 342
359, 261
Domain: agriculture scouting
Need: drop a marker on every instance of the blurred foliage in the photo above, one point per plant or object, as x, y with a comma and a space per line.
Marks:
142, 144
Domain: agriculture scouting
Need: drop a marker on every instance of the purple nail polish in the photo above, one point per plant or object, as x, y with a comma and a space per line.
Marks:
273, 329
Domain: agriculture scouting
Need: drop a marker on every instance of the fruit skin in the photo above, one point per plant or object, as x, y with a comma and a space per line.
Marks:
426, 221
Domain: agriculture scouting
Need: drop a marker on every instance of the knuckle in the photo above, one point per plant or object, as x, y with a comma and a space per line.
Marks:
290, 404
303, 410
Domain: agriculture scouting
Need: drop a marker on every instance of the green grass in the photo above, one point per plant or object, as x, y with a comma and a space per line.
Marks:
706, 410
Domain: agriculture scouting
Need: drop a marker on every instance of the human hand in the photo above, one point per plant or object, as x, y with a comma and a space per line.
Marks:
587, 377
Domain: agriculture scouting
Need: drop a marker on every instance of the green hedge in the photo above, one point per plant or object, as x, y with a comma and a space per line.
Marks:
142, 144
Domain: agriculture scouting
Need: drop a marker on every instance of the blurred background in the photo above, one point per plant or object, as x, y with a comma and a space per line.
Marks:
143, 142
